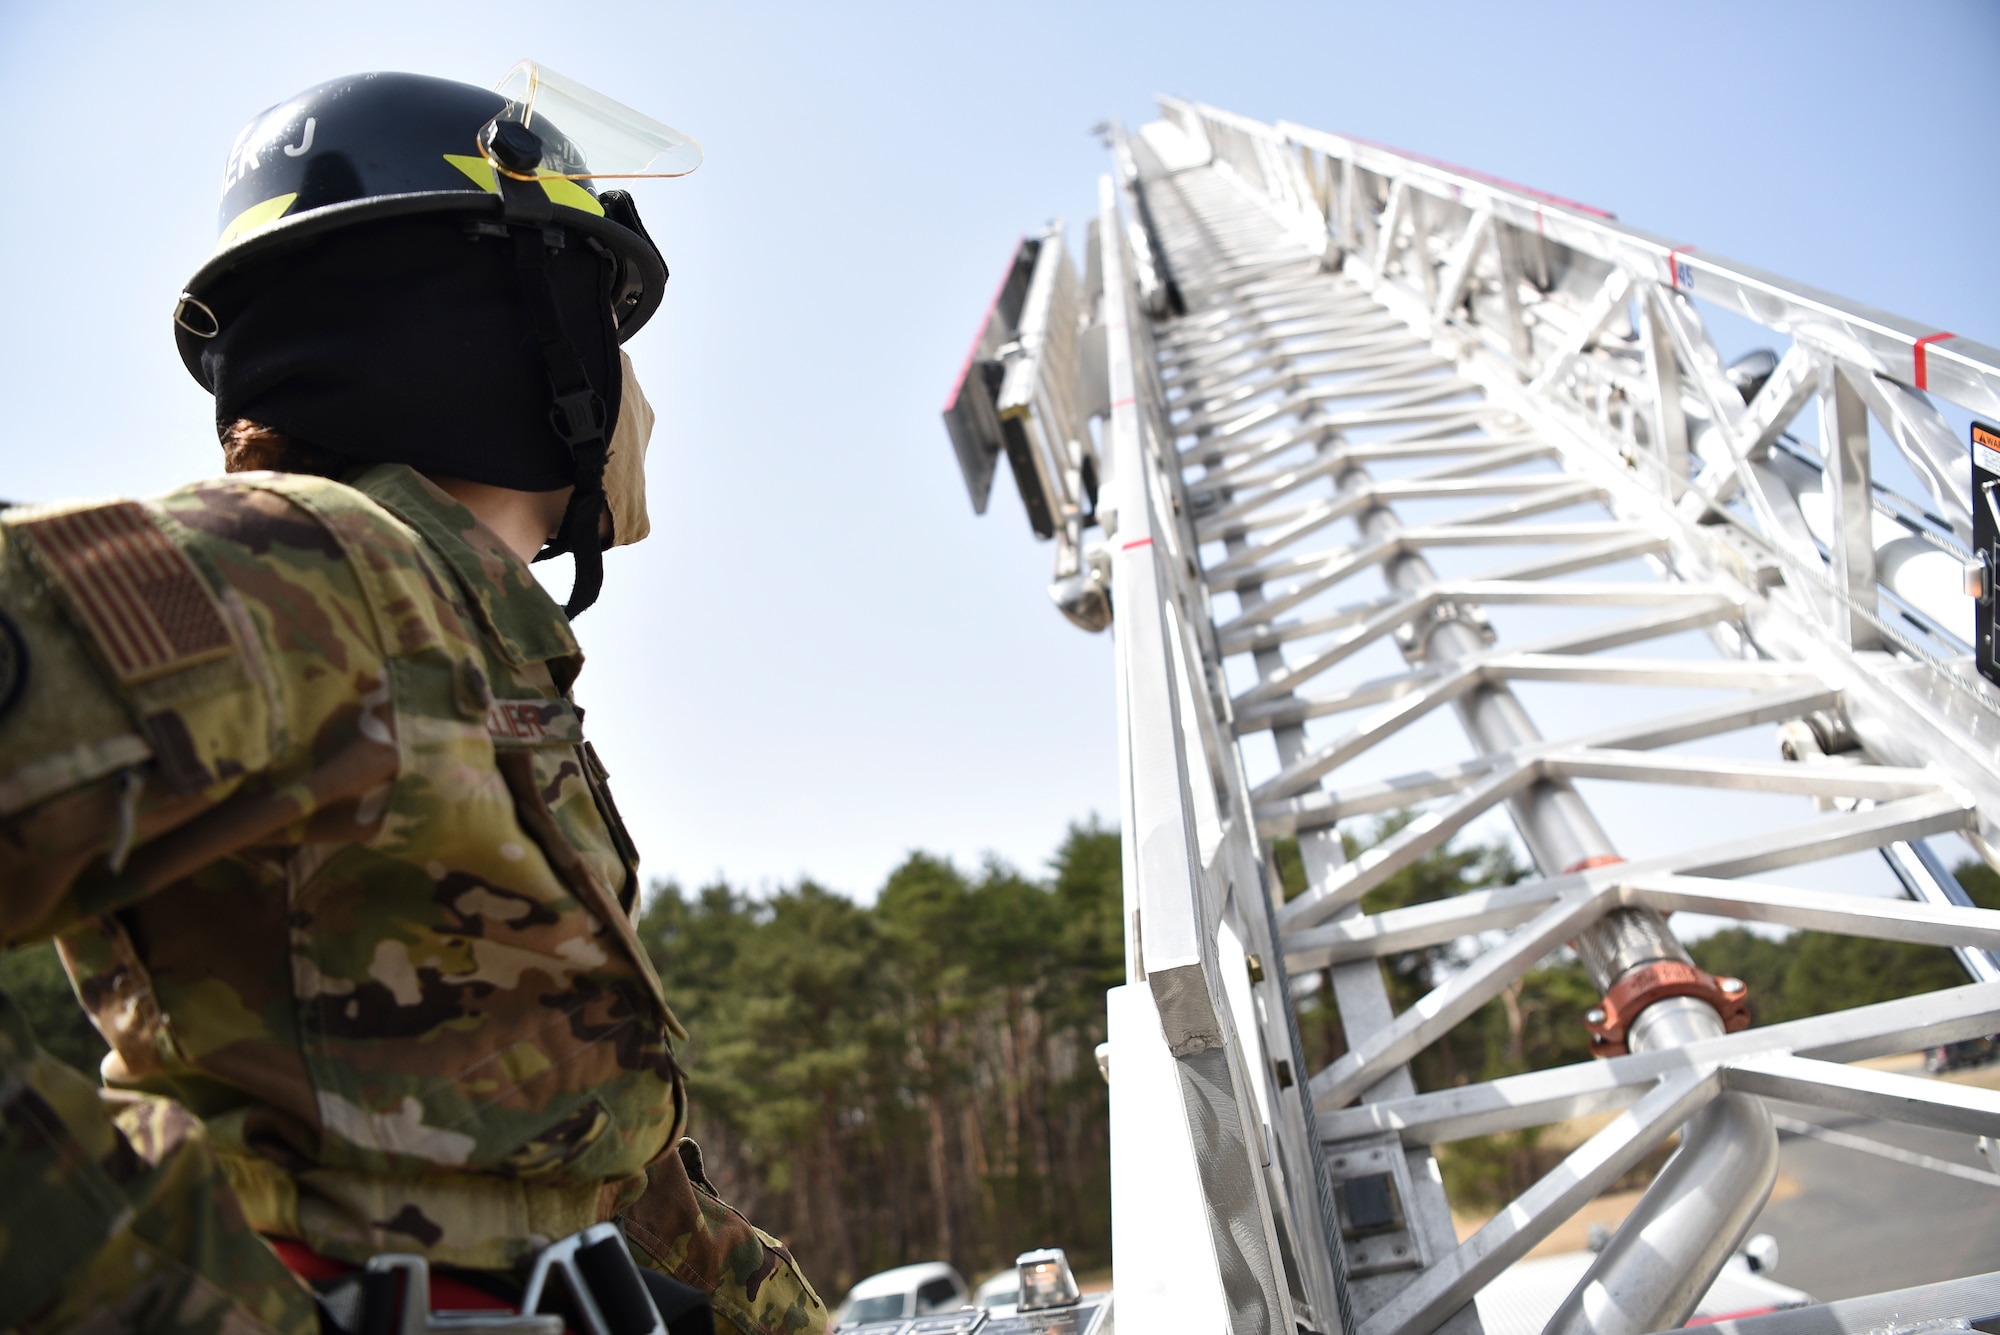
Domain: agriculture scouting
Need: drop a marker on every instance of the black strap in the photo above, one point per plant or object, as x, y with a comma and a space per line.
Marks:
577, 415
685, 1309
359, 1304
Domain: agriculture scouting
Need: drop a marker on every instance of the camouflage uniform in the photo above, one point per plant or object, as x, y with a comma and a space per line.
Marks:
101, 1231
296, 784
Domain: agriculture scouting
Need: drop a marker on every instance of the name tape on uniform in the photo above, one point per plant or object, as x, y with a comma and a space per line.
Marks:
516, 723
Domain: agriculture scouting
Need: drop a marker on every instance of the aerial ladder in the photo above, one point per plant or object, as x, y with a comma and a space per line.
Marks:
1345, 445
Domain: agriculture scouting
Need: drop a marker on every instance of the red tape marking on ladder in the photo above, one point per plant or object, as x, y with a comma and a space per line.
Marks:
1923, 362
1141, 542
1674, 267
1124, 402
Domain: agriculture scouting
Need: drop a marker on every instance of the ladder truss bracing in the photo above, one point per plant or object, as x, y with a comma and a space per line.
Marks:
1357, 452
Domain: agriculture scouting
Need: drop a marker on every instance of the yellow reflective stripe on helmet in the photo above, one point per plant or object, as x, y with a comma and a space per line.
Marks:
478, 168
571, 195
257, 215
560, 190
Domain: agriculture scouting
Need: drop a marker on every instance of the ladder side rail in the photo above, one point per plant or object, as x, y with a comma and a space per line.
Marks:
1960, 369
1251, 963
1266, 1047
1173, 909
1379, 1262
1147, 273
1266, 1044
1806, 313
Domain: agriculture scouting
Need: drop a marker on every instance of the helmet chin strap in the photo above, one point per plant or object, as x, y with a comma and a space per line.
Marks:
578, 535
577, 414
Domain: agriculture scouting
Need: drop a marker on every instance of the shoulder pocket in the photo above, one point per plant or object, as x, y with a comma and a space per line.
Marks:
130, 588
141, 615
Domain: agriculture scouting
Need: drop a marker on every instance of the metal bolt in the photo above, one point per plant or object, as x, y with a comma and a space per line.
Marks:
1731, 986
512, 145
1340, 1163
1595, 1015
1401, 1250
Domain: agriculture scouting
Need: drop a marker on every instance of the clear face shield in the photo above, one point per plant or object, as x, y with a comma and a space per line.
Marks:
585, 135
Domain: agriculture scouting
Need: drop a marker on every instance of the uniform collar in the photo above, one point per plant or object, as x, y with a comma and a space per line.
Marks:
523, 621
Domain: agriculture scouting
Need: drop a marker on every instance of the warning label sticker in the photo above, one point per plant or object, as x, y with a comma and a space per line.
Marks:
1986, 447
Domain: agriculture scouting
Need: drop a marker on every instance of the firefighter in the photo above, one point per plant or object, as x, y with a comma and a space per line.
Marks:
290, 771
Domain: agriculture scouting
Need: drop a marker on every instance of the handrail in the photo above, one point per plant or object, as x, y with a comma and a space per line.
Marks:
1917, 355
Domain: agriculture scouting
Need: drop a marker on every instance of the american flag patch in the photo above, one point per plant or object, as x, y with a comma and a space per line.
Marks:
137, 594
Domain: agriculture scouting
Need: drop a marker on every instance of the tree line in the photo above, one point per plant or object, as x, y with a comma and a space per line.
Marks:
914, 1078
911, 1080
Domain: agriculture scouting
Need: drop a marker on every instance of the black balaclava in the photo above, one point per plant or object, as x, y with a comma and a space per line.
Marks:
411, 341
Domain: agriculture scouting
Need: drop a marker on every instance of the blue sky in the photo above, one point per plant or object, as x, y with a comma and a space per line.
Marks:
821, 659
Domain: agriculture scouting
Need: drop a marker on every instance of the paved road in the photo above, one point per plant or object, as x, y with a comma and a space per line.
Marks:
1861, 1222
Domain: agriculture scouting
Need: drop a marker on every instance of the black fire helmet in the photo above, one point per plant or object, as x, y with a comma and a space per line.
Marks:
397, 155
